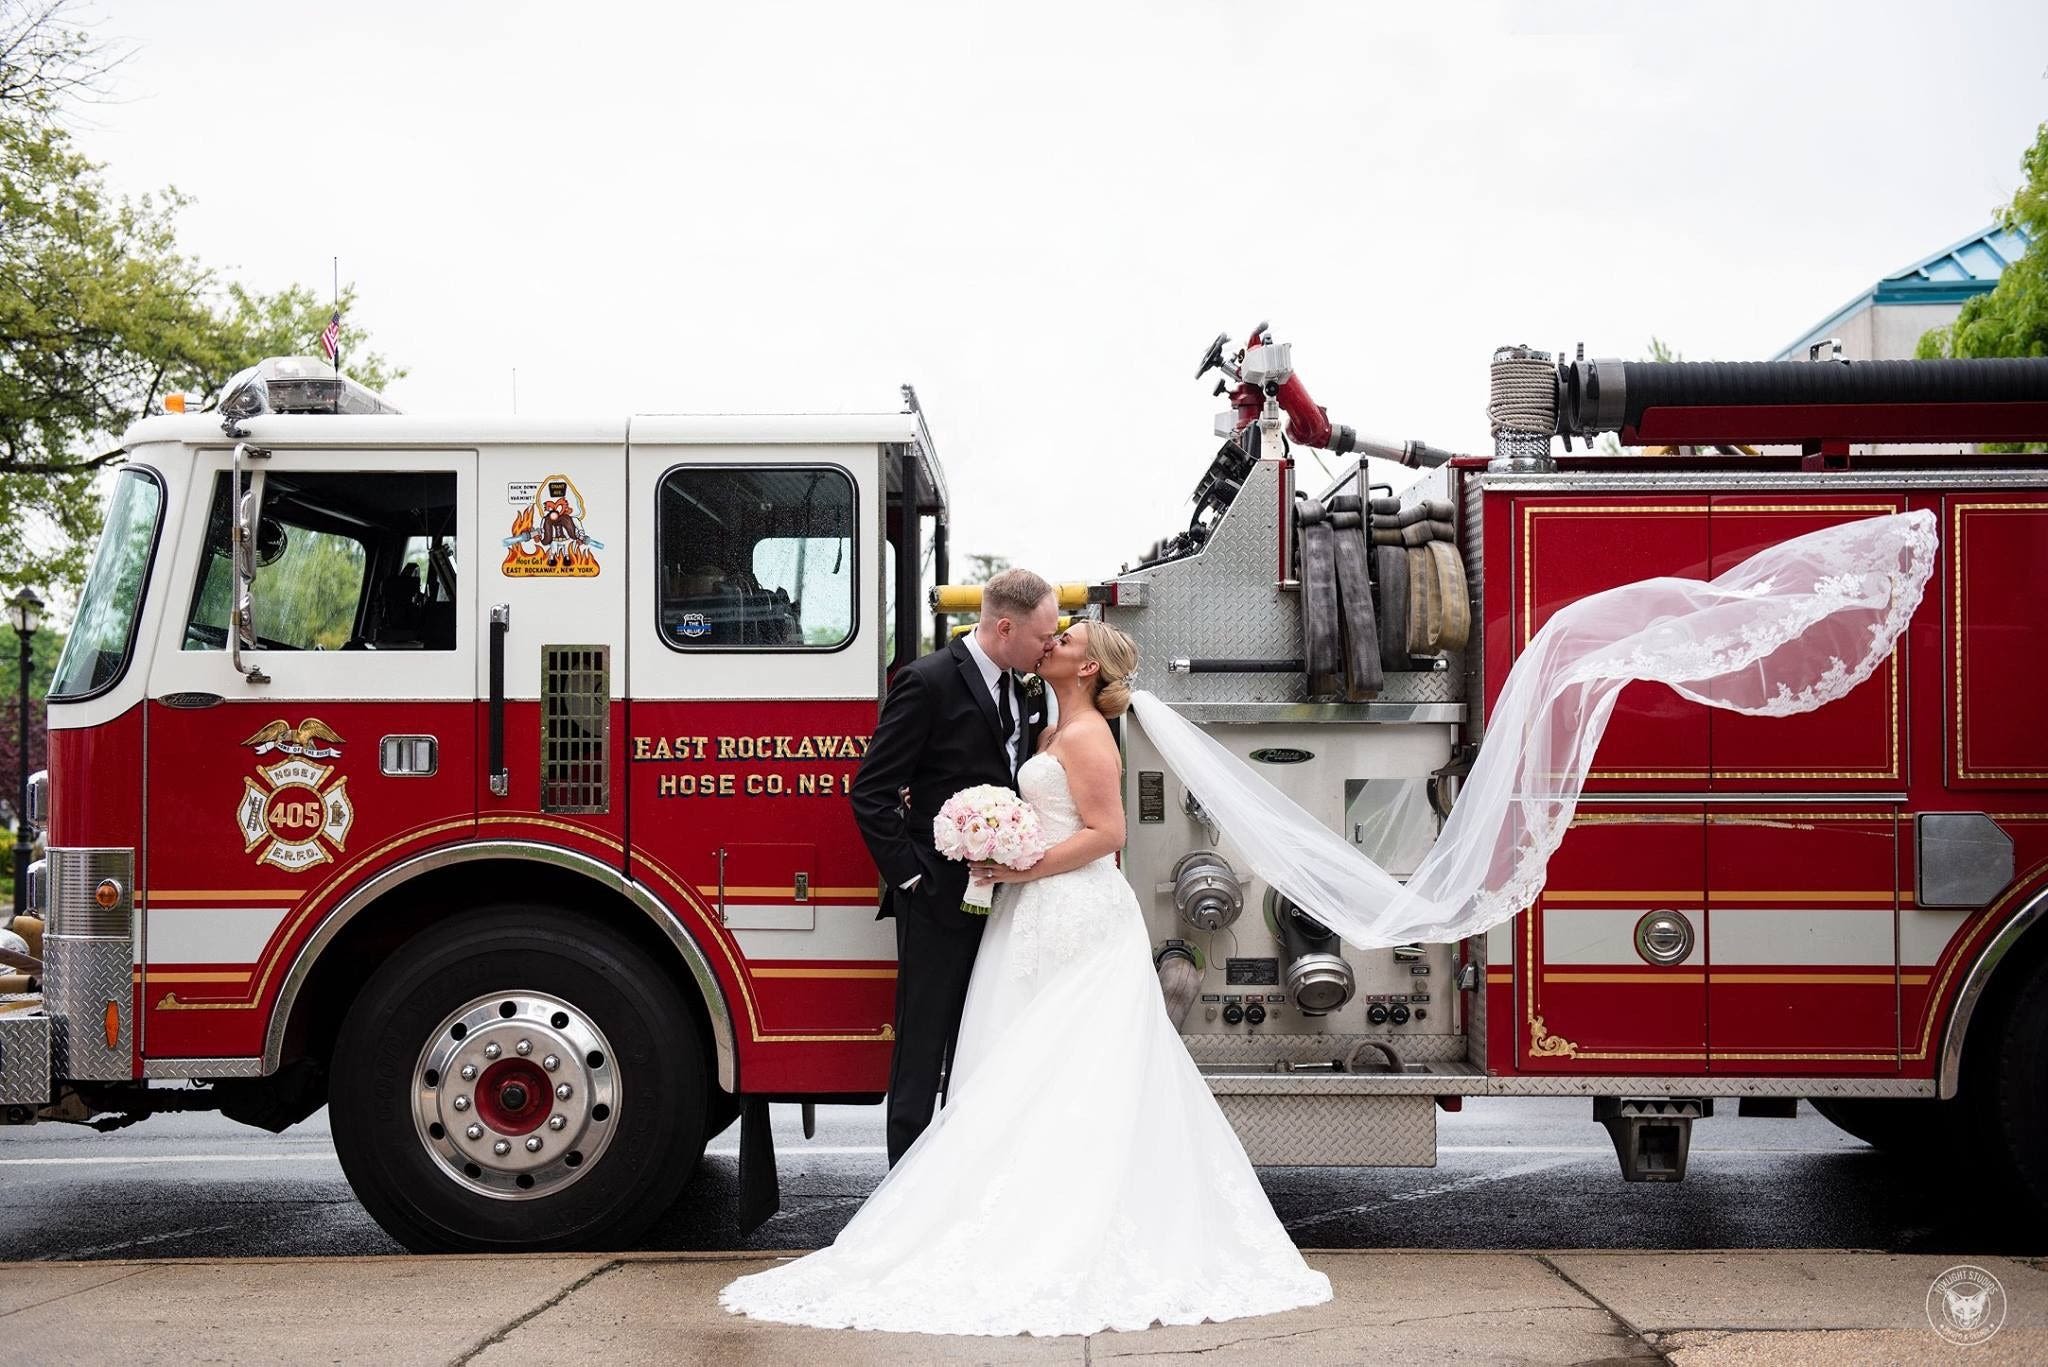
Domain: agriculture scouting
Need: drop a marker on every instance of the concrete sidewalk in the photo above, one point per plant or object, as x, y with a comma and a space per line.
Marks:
1417, 1307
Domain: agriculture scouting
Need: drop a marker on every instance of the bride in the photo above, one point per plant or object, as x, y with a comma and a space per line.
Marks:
1080, 1176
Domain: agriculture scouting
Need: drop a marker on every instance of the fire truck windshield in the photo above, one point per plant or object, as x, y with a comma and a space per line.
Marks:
96, 653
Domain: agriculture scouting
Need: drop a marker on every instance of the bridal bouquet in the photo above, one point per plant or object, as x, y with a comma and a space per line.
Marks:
988, 822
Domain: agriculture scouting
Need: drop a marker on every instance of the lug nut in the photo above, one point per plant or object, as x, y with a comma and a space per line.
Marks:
461, 1103
533, 1144
562, 1090
523, 1048
556, 1122
469, 1072
492, 1050
502, 1147
551, 1063
475, 1131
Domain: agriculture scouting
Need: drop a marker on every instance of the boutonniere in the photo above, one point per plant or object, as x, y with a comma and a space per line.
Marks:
1034, 687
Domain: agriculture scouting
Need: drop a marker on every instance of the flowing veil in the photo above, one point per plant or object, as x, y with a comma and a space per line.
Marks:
1793, 627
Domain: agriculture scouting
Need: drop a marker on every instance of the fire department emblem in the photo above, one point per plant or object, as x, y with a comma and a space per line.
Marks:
549, 538
290, 810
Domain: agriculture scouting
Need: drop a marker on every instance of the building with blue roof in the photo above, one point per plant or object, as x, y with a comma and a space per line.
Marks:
1885, 322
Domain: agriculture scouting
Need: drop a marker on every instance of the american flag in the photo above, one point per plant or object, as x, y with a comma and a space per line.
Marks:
330, 336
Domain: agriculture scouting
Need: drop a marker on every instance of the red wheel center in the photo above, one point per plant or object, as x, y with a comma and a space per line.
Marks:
513, 1096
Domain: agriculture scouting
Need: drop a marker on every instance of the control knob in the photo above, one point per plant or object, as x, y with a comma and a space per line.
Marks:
1232, 1013
1399, 1015
1376, 1014
1255, 1014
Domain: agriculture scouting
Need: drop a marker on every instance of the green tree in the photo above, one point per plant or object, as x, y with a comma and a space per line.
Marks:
100, 314
2012, 318
44, 647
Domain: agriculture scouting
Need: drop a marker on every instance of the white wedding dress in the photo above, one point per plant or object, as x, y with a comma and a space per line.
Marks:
1079, 1177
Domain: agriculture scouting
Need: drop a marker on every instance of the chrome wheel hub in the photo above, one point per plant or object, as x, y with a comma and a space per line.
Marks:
516, 1095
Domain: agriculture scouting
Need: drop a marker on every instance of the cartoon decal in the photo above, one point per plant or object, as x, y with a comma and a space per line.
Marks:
290, 811
548, 536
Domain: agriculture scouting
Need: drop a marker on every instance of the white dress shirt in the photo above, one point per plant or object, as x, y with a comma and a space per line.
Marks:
992, 674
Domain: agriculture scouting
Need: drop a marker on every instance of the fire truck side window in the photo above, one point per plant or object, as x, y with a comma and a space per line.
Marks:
344, 561
757, 559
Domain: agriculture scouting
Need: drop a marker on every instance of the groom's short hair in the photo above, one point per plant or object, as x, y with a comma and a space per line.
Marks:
1013, 593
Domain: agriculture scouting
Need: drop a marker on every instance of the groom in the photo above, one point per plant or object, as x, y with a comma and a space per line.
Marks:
953, 719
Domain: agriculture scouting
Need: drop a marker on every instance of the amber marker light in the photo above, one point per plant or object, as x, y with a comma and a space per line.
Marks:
113, 1022
107, 894
174, 403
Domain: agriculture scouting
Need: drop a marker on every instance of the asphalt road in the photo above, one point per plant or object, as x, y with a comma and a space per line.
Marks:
1510, 1174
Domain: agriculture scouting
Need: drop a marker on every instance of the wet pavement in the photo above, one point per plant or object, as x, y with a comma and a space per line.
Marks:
1511, 1174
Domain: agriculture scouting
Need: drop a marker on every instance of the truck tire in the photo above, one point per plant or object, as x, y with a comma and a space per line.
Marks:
2013, 1109
1919, 1127
517, 1079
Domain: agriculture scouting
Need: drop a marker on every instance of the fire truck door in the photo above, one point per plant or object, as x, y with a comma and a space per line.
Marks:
1802, 937
1854, 744
1618, 947
1567, 548
756, 669
347, 744
550, 678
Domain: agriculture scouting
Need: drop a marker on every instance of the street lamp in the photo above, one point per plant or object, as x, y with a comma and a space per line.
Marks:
25, 610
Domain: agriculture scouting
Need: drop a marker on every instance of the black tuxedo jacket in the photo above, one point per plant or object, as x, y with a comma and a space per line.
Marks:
938, 733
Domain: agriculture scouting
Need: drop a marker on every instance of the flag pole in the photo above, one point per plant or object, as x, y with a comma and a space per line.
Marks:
337, 316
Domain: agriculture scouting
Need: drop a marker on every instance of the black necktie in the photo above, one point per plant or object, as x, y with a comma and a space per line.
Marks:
1006, 718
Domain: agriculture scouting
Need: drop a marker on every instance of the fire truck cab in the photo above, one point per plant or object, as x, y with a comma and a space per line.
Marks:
484, 780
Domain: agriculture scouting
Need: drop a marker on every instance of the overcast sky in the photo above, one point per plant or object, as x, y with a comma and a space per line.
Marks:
1040, 213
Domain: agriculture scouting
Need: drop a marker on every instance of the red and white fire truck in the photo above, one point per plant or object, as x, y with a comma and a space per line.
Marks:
485, 780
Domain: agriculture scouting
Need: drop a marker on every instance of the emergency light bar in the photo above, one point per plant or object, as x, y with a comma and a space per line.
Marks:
296, 384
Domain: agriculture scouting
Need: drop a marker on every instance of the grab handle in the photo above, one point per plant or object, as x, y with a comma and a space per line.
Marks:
501, 622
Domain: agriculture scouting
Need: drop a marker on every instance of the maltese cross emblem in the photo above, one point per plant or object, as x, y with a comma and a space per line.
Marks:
295, 814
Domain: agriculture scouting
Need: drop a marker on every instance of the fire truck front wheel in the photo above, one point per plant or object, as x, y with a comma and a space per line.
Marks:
518, 1079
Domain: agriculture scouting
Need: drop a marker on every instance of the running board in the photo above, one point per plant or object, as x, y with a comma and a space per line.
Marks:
1466, 1079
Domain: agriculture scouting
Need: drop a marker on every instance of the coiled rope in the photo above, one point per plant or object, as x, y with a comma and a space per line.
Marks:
1524, 397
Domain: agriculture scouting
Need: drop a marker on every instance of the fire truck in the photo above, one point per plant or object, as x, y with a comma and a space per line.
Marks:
484, 780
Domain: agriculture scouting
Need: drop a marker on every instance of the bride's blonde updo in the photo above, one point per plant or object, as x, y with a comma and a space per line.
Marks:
1117, 657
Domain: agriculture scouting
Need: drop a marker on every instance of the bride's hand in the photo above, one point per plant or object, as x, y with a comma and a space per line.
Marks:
988, 871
